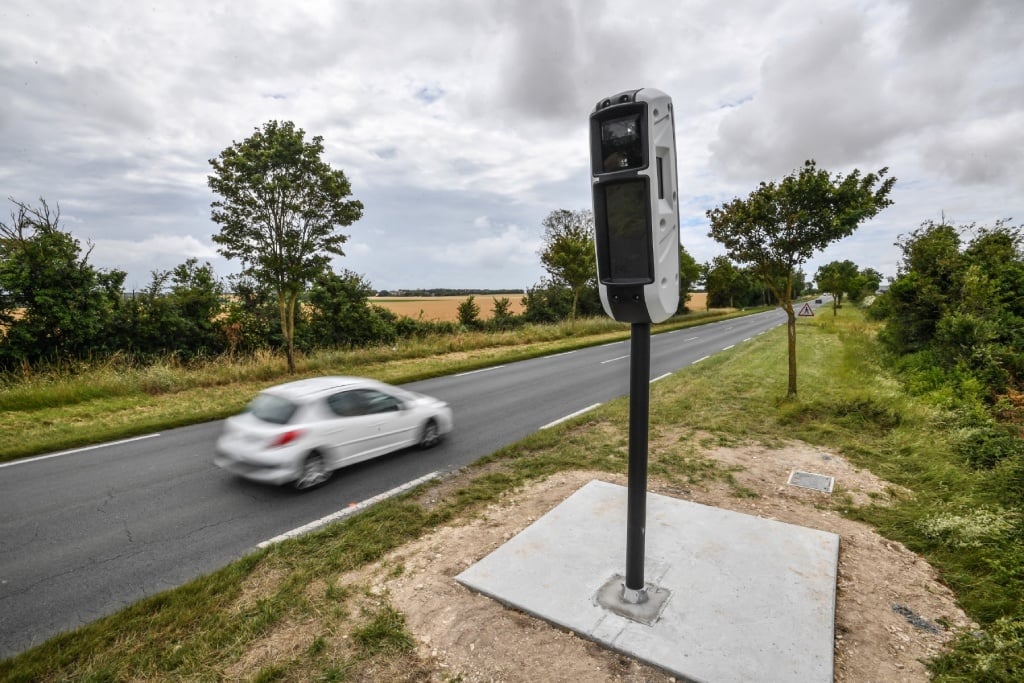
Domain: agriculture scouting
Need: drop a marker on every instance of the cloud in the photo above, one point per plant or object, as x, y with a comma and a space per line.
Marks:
865, 83
511, 246
441, 113
153, 253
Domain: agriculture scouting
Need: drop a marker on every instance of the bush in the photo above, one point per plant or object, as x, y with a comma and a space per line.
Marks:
985, 447
469, 312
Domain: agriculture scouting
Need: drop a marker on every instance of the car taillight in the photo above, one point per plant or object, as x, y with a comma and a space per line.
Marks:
286, 438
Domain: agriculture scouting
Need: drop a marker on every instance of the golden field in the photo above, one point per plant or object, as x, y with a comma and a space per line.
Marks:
444, 307
447, 307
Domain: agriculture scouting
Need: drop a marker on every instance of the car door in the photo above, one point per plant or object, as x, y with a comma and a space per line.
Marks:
353, 432
395, 423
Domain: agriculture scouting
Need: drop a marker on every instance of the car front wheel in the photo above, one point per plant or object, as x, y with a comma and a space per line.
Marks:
314, 472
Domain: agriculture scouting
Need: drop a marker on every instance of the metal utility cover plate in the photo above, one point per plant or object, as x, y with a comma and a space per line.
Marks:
809, 480
752, 599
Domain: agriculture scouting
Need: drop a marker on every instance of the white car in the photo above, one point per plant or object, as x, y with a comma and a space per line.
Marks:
300, 432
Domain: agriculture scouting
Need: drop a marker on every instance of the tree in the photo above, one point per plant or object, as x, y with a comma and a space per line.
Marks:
502, 315
928, 278
961, 309
689, 273
469, 312
196, 298
780, 225
252, 320
53, 303
723, 280
836, 278
866, 283
280, 208
568, 252
341, 313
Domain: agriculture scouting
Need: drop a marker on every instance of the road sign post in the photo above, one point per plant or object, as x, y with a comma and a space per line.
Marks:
634, 589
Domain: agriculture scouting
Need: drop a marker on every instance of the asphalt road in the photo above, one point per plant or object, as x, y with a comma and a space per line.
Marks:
84, 533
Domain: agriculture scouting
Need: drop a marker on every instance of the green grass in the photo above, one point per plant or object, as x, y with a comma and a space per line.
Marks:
966, 522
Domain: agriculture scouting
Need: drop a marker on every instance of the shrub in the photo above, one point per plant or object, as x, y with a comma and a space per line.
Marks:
987, 446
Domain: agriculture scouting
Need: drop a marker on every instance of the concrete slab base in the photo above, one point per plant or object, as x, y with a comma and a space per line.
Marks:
746, 598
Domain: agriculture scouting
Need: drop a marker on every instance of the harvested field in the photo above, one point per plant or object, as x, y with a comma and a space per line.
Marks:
447, 307
444, 307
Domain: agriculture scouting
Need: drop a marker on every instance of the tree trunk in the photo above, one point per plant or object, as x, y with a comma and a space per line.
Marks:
287, 312
791, 327
575, 300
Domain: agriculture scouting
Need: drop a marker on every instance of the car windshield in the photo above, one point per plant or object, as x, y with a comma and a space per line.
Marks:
272, 409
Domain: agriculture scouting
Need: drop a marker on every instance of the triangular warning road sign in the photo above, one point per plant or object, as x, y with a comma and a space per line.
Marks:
806, 311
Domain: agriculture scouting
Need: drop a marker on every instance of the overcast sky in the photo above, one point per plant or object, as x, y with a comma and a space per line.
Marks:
462, 123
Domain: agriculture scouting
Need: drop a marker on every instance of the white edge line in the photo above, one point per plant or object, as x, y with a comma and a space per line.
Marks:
25, 461
570, 416
350, 510
660, 377
475, 372
730, 346
699, 360
748, 339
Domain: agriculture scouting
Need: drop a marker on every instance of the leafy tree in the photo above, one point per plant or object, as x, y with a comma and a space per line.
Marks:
960, 308
568, 252
469, 312
724, 282
502, 316
53, 303
279, 210
780, 225
546, 302
836, 278
342, 315
252, 319
866, 283
689, 274
928, 276
550, 302
195, 296
176, 313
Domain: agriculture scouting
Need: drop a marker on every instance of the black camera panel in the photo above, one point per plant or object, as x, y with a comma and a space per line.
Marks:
624, 231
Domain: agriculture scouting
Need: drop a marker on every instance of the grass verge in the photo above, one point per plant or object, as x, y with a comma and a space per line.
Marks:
967, 523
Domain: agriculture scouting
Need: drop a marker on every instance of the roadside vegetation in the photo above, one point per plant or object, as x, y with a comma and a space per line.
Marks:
966, 521
79, 403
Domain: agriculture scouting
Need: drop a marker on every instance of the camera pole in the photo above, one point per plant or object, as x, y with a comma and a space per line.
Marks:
634, 590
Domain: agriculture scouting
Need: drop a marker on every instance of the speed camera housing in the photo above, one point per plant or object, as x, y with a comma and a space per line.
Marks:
636, 208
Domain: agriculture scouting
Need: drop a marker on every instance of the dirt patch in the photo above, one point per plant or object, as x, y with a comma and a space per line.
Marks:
891, 612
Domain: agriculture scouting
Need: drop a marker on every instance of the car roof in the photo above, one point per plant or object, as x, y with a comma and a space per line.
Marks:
304, 389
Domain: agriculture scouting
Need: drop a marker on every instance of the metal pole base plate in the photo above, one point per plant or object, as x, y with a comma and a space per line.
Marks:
644, 606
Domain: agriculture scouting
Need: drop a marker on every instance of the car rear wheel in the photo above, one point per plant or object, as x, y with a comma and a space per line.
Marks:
314, 472
431, 435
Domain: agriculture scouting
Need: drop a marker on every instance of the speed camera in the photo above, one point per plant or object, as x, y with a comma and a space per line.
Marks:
636, 208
